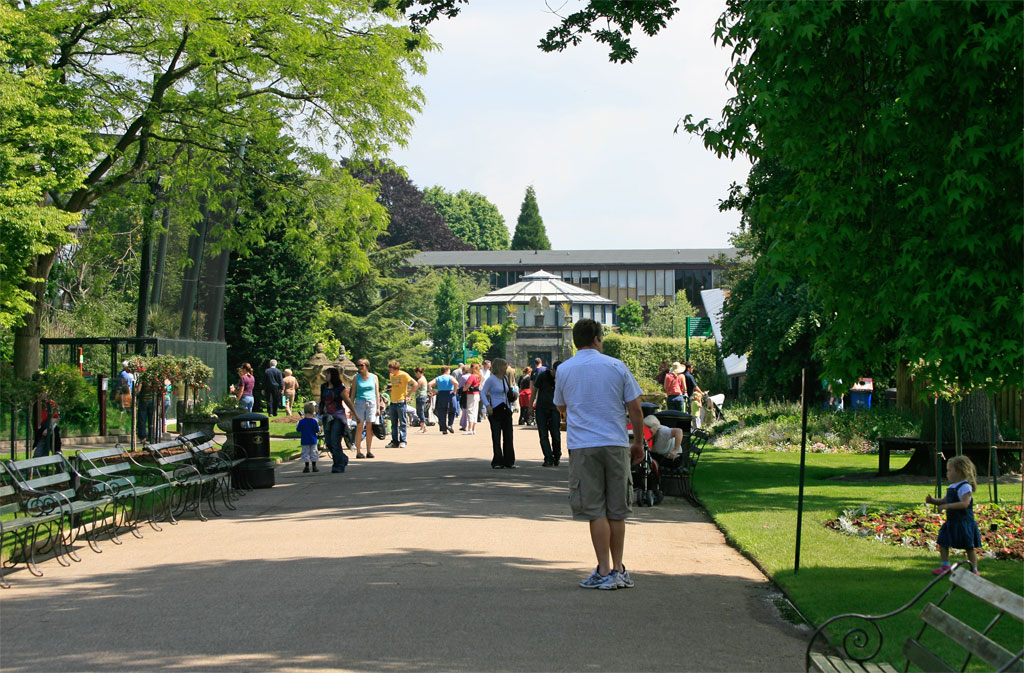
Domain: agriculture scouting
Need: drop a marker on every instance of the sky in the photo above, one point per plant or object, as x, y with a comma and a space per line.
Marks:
594, 138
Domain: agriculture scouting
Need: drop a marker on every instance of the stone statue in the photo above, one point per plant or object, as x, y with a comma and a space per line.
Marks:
313, 369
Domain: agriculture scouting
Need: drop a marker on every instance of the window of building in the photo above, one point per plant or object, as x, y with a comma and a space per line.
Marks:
603, 284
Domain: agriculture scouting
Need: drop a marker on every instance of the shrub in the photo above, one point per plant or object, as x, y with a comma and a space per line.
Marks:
643, 355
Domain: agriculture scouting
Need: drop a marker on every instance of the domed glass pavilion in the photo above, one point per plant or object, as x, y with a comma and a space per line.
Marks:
540, 299
544, 307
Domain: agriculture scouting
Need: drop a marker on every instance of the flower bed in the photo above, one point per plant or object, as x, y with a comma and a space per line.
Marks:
1002, 532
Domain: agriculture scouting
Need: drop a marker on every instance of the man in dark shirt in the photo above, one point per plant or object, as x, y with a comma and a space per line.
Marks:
547, 417
273, 382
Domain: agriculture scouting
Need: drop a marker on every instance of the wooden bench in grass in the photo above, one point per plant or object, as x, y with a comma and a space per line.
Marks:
84, 503
969, 645
26, 517
134, 483
190, 484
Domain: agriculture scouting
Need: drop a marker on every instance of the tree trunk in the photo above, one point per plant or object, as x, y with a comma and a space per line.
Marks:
26, 337
145, 264
974, 410
189, 286
161, 260
218, 268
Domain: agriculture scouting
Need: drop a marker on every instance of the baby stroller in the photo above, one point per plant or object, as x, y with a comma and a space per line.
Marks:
646, 484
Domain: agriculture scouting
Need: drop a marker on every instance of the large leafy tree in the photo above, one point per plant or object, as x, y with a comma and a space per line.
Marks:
42, 149
470, 216
900, 125
203, 75
530, 232
413, 220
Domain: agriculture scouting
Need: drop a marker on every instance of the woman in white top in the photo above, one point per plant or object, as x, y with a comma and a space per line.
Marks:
499, 412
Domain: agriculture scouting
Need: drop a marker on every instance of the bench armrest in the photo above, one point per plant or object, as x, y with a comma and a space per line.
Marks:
863, 640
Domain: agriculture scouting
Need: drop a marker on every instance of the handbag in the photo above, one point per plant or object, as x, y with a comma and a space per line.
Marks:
379, 431
511, 394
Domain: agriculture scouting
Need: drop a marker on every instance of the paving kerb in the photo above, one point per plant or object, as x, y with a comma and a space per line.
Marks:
421, 559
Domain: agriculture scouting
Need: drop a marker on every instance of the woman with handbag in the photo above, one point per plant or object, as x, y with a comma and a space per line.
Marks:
333, 400
471, 386
368, 406
498, 394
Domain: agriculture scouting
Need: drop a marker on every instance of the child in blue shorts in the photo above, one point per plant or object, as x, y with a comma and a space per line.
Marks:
308, 428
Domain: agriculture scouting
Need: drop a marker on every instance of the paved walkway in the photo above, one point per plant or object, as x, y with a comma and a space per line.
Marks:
422, 559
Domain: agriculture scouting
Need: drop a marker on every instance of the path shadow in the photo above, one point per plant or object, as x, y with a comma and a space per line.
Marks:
413, 610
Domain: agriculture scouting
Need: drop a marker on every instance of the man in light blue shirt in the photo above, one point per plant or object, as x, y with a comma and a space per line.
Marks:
595, 392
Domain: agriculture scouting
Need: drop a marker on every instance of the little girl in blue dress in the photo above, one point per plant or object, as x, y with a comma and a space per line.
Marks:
960, 530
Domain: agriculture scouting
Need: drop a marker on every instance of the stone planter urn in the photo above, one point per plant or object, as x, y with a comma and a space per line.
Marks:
206, 424
224, 417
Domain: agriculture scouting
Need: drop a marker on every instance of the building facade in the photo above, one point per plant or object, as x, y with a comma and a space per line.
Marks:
651, 277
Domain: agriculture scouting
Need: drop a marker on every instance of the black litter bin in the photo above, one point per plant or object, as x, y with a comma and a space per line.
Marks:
648, 408
251, 433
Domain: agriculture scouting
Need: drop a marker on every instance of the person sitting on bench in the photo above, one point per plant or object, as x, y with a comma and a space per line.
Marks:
664, 441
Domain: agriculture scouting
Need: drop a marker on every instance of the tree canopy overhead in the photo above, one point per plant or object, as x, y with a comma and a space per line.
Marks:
900, 128
146, 78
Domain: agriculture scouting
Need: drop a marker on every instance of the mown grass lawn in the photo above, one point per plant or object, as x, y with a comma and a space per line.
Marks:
753, 498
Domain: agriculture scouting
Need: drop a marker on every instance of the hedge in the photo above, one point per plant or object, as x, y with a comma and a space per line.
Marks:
643, 355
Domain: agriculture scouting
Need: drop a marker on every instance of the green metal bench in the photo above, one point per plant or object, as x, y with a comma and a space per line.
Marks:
190, 484
134, 484
24, 515
212, 459
40, 481
862, 643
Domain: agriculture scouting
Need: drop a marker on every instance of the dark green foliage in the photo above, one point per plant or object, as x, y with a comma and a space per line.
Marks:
643, 355
899, 127
271, 306
412, 219
530, 233
447, 332
631, 317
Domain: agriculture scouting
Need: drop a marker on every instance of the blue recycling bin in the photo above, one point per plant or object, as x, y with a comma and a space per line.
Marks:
860, 399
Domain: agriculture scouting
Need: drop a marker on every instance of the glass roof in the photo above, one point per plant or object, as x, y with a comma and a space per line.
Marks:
541, 286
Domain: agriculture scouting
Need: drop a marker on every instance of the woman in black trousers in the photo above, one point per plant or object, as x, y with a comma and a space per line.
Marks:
499, 413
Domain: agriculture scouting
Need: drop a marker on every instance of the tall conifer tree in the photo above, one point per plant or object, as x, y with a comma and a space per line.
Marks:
530, 233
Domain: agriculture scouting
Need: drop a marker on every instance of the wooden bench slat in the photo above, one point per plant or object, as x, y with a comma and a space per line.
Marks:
924, 659
832, 664
991, 593
824, 663
887, 668
976, 643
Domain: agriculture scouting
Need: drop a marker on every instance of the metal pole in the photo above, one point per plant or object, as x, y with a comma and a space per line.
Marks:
993, 460
687, 339
958, 430
14, 430
938, 448
803, 462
